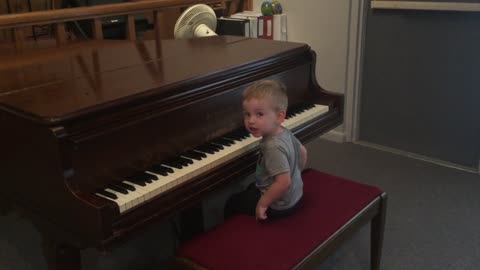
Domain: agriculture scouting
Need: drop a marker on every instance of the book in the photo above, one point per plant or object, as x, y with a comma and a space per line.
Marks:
256, 22
233, 26
280, 27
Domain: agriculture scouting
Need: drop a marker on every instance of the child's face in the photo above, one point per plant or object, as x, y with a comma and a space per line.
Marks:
261, 118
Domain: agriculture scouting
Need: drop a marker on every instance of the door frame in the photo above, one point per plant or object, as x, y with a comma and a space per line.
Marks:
356, 41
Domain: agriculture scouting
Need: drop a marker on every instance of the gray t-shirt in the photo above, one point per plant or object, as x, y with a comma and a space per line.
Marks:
279, 154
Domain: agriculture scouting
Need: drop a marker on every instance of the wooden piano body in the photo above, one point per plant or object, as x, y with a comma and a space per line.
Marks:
78, 118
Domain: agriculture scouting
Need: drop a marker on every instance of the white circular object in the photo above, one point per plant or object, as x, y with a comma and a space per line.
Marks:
196, 21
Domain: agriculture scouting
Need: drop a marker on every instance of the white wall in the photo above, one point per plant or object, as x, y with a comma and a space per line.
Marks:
324, 25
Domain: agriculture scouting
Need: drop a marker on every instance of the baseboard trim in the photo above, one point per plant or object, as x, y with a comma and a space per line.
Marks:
420, 157
334, 136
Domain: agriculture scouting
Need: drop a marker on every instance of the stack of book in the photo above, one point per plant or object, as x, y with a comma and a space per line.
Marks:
254, 24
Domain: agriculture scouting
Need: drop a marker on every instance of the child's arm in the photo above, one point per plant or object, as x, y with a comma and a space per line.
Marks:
303, 156
280, 185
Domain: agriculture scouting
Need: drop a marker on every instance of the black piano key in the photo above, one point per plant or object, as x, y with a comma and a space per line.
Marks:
125, 186
150, 180
193, 155
182, 161
160, 166
142, 177
169, 170
149, 176
244, 133
137, 182
118, 189
162, 173
189, 161
223, 141
159, 169
309, 106
230, 142
205, 149
142, 181
202, 154
107, 194
216, 147
172, 163
212, 146
293, 111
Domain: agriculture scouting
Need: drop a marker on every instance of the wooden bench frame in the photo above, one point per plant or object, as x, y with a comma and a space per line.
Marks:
374, 212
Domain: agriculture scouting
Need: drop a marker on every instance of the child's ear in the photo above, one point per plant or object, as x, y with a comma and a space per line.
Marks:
281, 114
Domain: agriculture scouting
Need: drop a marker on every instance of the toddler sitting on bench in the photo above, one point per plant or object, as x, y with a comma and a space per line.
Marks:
278, 186
321, 216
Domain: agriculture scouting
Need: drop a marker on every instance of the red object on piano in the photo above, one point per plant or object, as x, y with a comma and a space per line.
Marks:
268, 27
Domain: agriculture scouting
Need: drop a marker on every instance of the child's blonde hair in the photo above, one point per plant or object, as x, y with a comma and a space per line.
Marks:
268, 88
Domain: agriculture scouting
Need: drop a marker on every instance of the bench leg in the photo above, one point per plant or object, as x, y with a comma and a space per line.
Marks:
376, 238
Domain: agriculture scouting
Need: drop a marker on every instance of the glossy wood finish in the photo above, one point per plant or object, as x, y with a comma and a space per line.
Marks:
80, 117
91, 12
62, 90
59, 17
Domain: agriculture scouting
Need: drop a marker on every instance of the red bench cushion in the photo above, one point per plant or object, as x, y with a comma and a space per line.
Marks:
243, 243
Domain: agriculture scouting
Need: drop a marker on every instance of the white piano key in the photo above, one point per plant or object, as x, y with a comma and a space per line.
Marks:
140, 189
164, 183
137, 197
122, 203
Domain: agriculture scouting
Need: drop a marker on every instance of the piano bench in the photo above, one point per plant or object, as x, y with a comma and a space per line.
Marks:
332, 209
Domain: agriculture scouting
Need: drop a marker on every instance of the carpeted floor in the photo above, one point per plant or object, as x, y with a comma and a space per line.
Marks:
432, 219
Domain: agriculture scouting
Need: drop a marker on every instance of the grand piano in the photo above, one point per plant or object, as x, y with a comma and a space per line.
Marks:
101, 138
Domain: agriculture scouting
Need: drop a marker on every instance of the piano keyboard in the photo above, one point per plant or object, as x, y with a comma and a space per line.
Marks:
143, 186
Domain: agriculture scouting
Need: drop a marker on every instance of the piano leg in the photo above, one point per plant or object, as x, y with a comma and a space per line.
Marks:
60, 256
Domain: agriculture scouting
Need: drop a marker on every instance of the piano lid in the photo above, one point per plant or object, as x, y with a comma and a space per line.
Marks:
51, 86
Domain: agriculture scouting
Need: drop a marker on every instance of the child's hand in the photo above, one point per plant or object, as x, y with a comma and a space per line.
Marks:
261, 212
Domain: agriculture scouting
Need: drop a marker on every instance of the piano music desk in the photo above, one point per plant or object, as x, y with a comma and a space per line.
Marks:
332, 210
